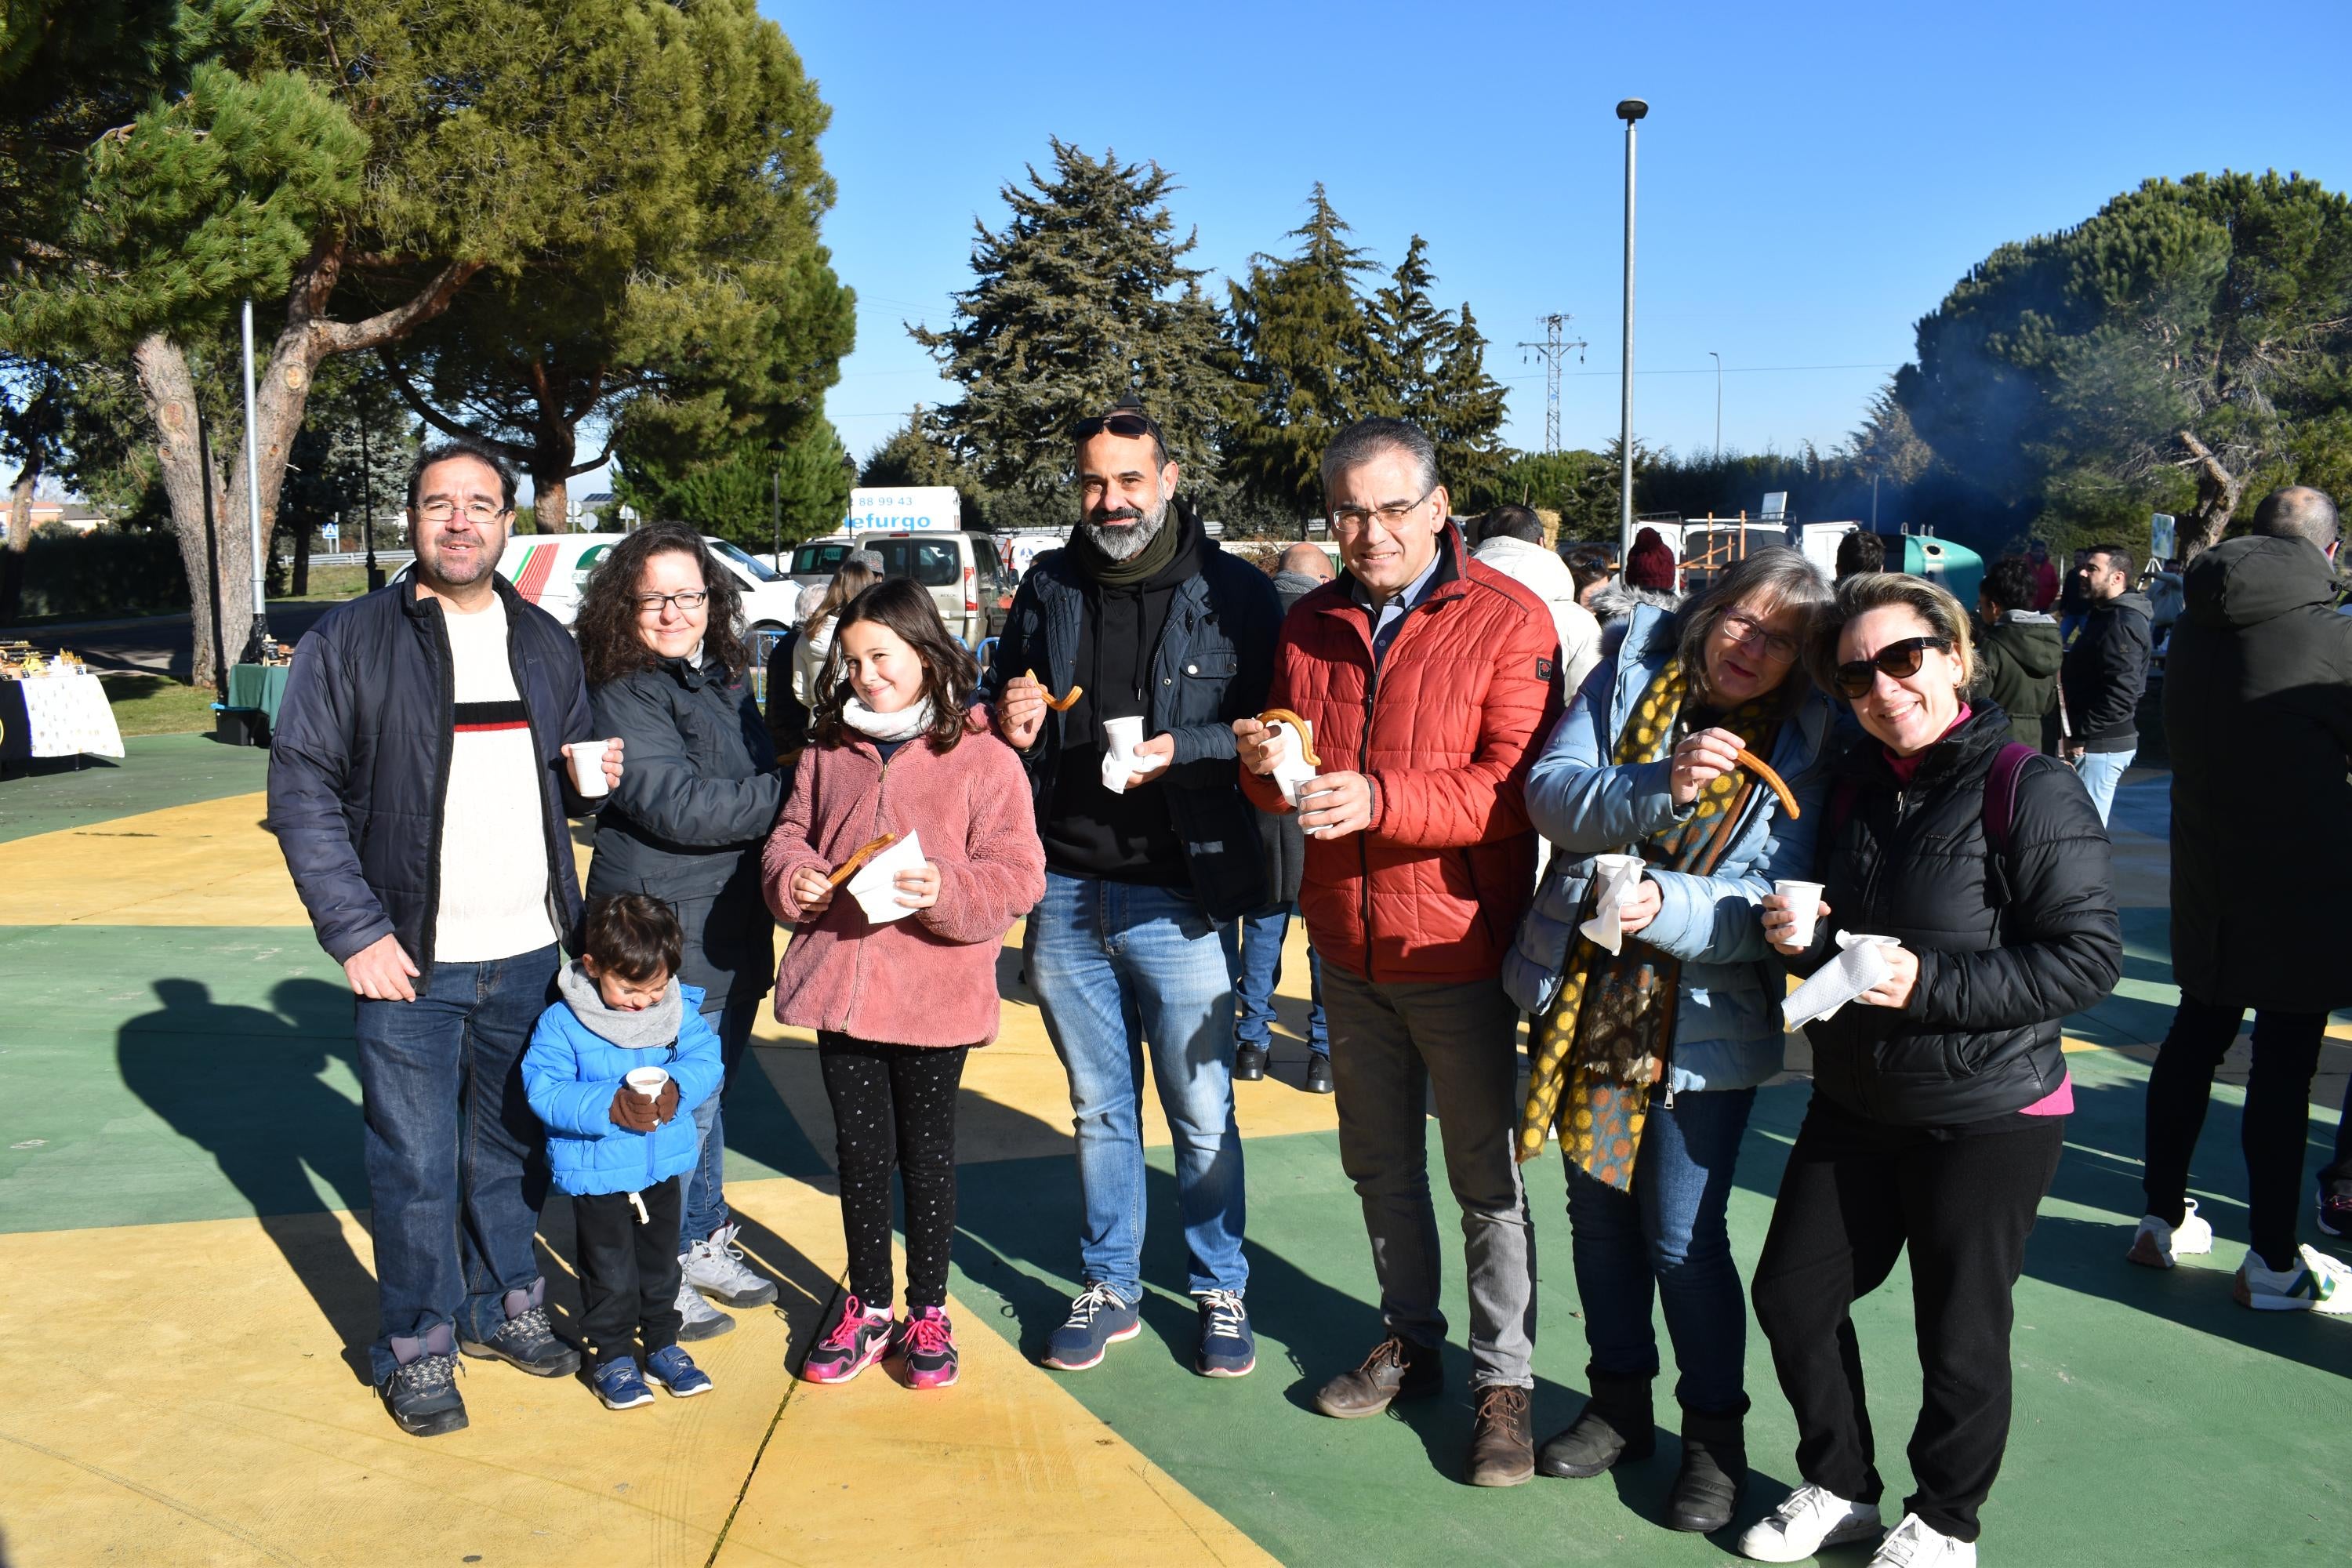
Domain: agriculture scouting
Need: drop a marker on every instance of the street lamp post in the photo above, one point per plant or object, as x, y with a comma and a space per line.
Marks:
1718, 403
1631, 110
259, 631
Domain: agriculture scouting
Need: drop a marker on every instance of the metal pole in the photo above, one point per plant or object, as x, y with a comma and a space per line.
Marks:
253, 489
776, 518
1718, 403
367, 500
1629, 111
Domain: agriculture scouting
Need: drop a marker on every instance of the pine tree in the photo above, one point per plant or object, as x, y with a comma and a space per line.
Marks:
1082, 297
912, 457
1433, 367
740, 495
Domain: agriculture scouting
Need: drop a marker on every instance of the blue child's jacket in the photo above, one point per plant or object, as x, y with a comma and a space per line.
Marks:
571, 1074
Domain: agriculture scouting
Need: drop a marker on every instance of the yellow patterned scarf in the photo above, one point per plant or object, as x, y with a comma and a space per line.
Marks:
1602, 1043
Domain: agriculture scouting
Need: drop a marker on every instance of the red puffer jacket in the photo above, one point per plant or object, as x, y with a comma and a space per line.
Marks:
1446, 731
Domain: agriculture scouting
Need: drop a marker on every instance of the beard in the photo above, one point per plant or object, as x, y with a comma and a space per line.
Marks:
431, 564
1126, 543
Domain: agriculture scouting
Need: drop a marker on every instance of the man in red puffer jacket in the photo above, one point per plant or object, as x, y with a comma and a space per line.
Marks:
1428, 681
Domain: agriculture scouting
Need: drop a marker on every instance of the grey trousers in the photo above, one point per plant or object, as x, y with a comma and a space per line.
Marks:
1392, 1046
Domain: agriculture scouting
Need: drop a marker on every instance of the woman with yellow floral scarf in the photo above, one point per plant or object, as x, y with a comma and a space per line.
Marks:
1646, 1061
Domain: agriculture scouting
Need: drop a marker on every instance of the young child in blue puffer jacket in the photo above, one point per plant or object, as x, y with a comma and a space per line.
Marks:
619, 1152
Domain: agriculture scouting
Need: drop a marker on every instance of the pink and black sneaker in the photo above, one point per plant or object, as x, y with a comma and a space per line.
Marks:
927, 1340
858, 1338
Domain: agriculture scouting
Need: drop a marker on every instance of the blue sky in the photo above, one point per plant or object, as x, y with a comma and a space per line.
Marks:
1813, 177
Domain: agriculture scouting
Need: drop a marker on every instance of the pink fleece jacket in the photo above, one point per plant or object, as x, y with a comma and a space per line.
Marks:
929, 979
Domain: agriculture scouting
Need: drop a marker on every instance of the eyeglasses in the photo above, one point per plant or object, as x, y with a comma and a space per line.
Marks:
1896, 661
688, 602
441, 509
1353, 519
1744, 630
1128, 425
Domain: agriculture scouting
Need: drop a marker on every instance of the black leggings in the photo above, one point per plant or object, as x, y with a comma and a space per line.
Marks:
1854, 1193
2270, 1129
895, 1105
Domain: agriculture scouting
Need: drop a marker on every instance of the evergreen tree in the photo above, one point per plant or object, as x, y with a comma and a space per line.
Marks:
1082, 297
1307, 357
740, 495
1431, 367
912, 457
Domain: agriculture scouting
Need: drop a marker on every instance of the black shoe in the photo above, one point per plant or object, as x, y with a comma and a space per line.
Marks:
528, 1342
1715, 1466
1617, 1423
1397, 1369
1318, 1074
422, 1396
1249, 1063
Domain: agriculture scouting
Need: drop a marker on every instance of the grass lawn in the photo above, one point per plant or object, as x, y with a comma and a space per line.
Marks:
158, 705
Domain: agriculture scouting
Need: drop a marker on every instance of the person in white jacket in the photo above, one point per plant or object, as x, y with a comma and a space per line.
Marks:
1511, 540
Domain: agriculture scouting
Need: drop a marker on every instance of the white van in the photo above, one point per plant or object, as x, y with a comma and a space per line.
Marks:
551, 569
963, 570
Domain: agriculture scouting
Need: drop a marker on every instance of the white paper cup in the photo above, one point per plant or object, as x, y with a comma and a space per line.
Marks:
646, 1081
1805, 904
1606, 866
1122, 736
588, 767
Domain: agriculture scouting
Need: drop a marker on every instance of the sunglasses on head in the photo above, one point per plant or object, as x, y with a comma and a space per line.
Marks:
1896, 661
1126, 425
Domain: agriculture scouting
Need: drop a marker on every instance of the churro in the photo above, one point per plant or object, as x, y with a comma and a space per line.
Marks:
1058, 704
1763, 770
866, 851
1274, 716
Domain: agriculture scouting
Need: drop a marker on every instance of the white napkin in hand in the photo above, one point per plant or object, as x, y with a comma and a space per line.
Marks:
1614, 883
1119, 774
1294, 769
1838, 982
875, 887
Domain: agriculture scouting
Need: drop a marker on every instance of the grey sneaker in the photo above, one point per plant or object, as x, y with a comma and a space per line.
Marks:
699, 1319
715, 1266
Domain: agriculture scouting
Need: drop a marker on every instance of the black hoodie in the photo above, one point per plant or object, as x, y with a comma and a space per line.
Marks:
2258, 718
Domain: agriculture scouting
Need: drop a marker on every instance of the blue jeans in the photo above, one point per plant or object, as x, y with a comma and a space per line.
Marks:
455, 1161
1668, 1235
1117, 968
1253, 958
706, 1184
2101, 772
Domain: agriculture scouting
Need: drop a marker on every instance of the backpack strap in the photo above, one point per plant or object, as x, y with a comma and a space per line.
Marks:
2000, 793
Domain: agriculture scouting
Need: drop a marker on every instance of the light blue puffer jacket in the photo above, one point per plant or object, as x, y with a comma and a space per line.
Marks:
1728, 1019
571, 1074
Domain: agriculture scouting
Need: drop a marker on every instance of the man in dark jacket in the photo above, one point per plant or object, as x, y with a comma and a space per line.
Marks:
1143, 623
1256, 959
2106, 674
2018, 651
2258, 712
418, 789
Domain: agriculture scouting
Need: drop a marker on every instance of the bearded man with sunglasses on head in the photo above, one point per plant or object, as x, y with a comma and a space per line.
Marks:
418, 787
1429, 680
1142, 623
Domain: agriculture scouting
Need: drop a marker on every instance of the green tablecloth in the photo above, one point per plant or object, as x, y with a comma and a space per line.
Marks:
261, 686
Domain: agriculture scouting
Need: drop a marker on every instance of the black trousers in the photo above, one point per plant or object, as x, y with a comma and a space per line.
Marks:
1854, 1193
2270, 1129
894, 1109
628, 1270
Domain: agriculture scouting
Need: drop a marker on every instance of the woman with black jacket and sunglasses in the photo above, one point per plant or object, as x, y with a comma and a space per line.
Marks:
1940, 1094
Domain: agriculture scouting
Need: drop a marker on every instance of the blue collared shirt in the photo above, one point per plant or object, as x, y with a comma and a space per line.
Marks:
1390, 615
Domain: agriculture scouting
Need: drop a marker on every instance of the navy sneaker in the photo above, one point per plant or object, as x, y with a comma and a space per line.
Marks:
1228, 1349
675, 1369
526, 1340
1098, 1319
619, 1386
422, 1396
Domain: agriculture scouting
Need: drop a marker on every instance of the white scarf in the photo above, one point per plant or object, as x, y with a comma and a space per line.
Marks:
904, 725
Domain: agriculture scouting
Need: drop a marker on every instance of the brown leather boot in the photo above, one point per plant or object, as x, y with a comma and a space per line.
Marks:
1397, 1369
1502, 1438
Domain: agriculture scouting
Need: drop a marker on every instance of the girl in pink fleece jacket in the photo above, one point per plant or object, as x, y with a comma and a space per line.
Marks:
899, 995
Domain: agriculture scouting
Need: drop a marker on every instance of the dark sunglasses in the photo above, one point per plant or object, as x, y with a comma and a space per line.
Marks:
1126, 425
1896, 661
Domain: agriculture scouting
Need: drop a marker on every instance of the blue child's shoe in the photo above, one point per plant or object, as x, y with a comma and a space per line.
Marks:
620, 1387
675, 1369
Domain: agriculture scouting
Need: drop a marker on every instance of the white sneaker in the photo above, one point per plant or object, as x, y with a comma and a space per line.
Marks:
2318, 1283
1911, 1544
715, 1266
1807, 1520
697, 1319
2156, 1244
